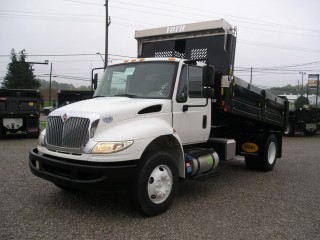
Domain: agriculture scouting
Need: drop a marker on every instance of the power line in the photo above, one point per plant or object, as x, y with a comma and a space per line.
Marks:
255, 21
51, 13
271, 45
153, 13
283, 66
82, 2
282, 32
49, 18
129, 23
251, 21
68, 55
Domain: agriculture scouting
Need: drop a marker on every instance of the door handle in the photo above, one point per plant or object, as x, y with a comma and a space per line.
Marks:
204, 121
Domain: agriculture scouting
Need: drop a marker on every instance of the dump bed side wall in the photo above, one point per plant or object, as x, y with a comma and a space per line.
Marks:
237, 102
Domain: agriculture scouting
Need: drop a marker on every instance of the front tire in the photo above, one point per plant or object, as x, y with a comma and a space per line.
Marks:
156, 184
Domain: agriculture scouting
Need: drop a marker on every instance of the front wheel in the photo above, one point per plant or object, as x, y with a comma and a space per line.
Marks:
156, 184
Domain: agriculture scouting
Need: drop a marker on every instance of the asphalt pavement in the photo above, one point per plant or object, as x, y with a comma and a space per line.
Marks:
235, 204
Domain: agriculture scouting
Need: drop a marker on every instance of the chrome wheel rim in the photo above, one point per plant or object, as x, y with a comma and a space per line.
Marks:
160, 184
272, 152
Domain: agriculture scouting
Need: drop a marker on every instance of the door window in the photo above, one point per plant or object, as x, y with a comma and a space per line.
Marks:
195, 82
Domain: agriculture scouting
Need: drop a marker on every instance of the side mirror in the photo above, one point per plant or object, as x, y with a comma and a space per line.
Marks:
95, 81
208, 76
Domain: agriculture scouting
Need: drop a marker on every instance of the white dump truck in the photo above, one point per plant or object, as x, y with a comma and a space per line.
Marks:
170, 114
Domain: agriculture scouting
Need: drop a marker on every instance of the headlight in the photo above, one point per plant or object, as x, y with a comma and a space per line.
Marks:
111, 147
41, 138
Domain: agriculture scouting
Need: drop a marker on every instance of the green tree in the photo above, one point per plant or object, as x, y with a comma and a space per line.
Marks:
20, 73
301, 101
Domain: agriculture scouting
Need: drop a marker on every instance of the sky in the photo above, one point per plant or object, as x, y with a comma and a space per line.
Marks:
278, 39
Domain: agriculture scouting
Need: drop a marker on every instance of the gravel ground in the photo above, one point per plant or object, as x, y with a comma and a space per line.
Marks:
236, 204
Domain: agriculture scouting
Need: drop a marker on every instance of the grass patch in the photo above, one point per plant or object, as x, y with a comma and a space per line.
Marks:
43, 124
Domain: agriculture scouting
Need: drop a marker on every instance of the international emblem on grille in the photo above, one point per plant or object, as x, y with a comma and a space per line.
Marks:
65, 117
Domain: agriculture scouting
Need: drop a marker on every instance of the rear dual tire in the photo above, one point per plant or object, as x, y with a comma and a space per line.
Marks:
267, 161
309, 131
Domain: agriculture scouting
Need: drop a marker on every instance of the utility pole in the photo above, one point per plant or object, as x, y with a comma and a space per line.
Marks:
108, 21
317, 91
302, 73
50, 85
31, 64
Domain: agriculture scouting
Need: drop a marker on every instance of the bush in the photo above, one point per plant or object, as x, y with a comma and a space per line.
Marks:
301, 102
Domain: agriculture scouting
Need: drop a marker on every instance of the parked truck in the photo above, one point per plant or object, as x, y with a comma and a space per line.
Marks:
306, 120
66, 97
171, 114
19, 111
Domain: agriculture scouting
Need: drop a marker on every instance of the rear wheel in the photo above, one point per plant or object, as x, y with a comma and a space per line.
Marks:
309, 131
156, 184
268, 159
270, 153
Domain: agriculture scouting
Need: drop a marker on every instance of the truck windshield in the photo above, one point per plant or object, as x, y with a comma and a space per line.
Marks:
138, 80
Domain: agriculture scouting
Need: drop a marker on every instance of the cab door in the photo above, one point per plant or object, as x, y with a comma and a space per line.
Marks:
192, 125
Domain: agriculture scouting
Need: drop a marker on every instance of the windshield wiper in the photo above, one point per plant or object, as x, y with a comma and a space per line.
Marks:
126, 95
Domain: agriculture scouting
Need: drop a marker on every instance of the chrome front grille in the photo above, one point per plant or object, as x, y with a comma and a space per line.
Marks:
74, 133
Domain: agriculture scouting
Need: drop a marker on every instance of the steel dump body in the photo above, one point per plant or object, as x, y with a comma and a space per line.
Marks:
19, 111
238, 102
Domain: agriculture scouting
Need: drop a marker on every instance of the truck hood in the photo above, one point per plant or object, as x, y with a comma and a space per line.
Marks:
113, 109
